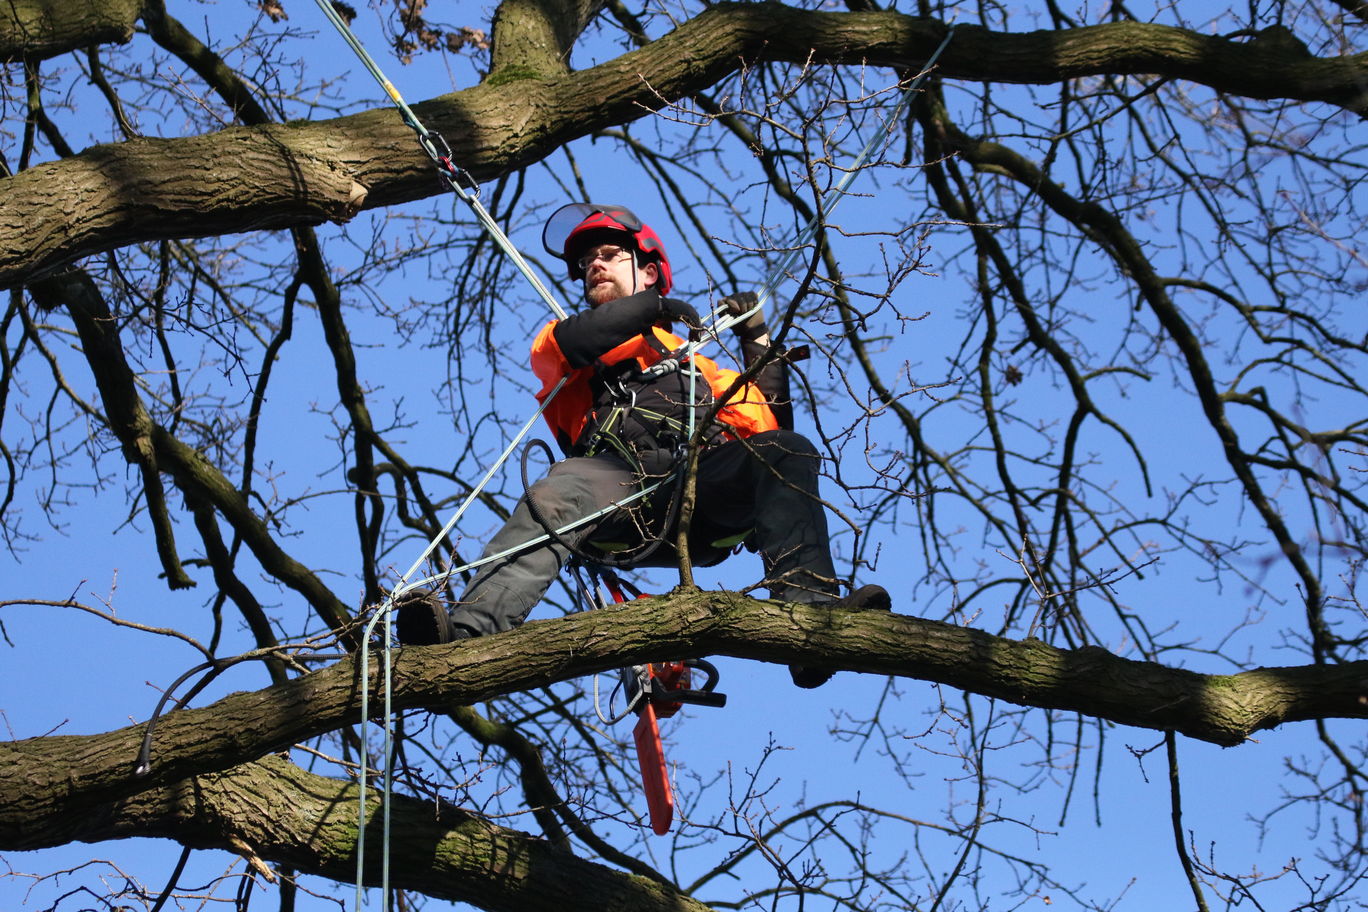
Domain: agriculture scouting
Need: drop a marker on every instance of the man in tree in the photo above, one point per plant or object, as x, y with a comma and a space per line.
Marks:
623, 407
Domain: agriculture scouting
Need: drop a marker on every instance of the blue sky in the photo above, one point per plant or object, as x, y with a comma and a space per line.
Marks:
70, 672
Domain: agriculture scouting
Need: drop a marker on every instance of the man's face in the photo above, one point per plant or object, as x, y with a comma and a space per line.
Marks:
609, 274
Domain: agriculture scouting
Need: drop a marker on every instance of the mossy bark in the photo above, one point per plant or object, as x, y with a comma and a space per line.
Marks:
304, 173
51, 783
272, 811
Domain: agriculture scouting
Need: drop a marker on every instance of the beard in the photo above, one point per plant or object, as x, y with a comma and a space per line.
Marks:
602, 292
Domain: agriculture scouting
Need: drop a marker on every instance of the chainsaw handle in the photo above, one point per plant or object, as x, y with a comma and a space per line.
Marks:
708, 669
697, 696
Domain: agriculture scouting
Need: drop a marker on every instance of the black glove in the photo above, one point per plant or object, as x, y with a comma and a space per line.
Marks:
753, 327
678, 310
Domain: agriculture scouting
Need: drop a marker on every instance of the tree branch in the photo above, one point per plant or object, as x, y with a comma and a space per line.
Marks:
39, 29
128, 417
50, 782
442, 852
304, 173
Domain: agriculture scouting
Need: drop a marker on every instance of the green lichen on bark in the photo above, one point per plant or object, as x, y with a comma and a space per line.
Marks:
511, 73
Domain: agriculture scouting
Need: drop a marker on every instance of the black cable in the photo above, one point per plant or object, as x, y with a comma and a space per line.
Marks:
145, 752
216, 667
171, 882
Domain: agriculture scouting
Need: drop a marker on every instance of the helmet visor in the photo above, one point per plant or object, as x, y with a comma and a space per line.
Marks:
567, 218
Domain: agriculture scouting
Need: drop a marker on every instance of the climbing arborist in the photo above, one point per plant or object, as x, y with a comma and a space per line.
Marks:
623, 420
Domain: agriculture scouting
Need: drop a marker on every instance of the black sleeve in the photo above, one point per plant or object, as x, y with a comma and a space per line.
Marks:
772, 381
585, 336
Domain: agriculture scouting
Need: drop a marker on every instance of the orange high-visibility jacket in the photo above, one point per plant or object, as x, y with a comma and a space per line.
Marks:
745, 413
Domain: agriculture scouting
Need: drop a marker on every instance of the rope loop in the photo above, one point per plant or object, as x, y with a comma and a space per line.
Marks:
440, 151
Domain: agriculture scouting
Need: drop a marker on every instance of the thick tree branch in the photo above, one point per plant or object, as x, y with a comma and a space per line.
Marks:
304, 173
128, 417
538, 35
444, 853
49, 783
39, 29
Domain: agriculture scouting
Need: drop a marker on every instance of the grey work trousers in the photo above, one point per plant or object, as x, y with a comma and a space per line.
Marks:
766, 484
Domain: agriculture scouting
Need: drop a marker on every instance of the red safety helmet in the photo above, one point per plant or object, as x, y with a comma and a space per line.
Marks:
575, 227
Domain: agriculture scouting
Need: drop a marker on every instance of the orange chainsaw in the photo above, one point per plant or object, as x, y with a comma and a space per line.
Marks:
657, 691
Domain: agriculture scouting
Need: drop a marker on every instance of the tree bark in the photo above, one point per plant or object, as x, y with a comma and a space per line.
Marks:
308, 172
272, 810
538, 35
39, 29
50, 783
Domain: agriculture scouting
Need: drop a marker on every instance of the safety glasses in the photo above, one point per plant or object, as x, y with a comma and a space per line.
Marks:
609, 255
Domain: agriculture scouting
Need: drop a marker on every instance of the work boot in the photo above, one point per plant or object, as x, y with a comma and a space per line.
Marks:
866, 598
422, 620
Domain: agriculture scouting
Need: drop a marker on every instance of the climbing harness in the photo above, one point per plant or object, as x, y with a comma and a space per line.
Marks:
654, 690
604, 558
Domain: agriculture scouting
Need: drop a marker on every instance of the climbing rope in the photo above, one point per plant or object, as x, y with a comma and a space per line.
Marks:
463, 184
457, 178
